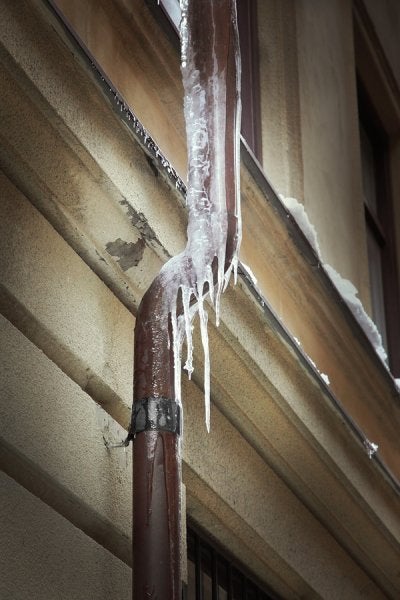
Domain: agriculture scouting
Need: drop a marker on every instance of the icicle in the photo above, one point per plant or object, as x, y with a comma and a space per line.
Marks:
212, 124
186, 294
177, 346
204, 338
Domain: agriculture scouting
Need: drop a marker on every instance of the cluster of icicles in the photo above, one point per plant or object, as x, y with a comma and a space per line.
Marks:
189, 276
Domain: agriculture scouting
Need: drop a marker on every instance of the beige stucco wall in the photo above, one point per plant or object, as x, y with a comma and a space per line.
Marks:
309, 122
310, 118
329, 134
43, 556
280, 481
279, 90
151, 87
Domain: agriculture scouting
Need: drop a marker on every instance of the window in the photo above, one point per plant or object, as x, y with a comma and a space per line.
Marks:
247, 22
251, 112
213, 576
380, 233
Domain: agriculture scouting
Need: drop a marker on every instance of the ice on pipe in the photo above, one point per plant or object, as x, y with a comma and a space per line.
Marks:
188, 279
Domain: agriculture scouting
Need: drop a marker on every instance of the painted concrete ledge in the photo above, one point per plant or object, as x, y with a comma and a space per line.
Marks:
76, 326
236, 496
51, 295
52, 443
50, 108
304, 300
43, 556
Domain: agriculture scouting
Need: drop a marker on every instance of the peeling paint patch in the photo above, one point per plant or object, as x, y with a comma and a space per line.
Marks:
139, 221
128, 254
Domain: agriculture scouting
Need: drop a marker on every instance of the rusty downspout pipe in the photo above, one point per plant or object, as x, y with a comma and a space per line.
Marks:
212, 31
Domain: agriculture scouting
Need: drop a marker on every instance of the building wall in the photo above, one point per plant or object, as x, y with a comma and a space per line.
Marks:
88, 217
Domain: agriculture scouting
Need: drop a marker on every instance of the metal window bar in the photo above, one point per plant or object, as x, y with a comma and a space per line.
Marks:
216, 577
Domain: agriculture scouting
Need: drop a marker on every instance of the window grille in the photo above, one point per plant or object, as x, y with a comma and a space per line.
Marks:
214, 576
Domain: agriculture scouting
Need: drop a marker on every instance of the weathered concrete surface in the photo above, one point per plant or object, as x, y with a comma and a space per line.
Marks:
269, 527
147, 74
44, 557
65, 149
51, 441
116, 180
57, 301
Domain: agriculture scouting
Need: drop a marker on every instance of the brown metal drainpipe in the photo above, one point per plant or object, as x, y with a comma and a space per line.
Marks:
155, 416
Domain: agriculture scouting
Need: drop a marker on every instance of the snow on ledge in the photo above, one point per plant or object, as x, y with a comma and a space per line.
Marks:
299, 214
349, 294
345, 288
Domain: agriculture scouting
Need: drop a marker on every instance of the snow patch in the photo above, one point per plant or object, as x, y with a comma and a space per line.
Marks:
325, 378
370, 447
345, 288
299, 214
349, 294
250, 274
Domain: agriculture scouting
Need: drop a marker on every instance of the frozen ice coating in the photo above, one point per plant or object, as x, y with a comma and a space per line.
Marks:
211, 78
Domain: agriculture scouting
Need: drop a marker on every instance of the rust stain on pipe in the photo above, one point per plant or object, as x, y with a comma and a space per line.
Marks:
157, 461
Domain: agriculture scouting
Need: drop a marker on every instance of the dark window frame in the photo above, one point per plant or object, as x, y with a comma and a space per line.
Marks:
381, 224
251, 103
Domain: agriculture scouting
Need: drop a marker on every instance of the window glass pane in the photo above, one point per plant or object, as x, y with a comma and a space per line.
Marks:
222, 571
173, 10
191, 589
222, 593
237, 586
376, 281
212, 576
368, 171
206, 575
207, 587
251, 591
